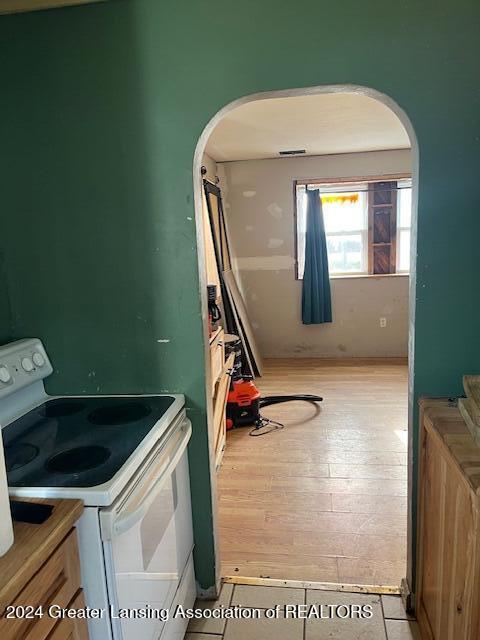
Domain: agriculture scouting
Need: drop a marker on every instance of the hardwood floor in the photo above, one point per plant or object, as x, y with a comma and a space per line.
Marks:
325, 498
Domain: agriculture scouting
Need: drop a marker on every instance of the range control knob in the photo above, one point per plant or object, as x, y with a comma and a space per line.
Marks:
38, 359
27, 364
4, 374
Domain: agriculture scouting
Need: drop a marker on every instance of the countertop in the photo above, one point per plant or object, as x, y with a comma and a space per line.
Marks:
444, 421
33, 544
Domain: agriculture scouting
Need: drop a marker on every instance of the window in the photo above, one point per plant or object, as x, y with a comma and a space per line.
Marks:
367, 226
404, 217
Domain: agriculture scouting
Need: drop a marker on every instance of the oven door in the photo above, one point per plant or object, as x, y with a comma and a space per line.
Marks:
147, 538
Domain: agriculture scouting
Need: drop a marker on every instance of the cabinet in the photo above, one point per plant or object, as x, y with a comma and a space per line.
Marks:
448, 560
69, 629
219, 410
42, 570
220, 372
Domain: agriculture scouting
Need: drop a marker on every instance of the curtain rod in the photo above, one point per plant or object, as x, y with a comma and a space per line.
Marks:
389, 177
312, 187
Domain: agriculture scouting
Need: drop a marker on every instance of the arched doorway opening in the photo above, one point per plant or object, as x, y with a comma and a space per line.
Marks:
354, 181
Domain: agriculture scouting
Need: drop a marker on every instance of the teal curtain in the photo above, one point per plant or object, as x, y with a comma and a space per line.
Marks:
316, 297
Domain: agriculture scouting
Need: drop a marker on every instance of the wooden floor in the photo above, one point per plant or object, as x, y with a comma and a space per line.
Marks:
324, 499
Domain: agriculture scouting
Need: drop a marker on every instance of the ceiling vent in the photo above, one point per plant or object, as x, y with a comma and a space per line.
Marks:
292, 152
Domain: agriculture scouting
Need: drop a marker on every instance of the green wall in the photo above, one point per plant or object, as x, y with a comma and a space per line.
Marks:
101, 107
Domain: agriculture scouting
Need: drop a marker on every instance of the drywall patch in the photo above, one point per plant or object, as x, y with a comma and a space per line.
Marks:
265, 263
275, 210
249, 228
274, 243
249, 194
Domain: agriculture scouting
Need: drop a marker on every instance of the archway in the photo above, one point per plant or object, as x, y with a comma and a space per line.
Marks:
201, 145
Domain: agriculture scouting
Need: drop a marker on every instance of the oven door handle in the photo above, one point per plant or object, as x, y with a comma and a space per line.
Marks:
113, 522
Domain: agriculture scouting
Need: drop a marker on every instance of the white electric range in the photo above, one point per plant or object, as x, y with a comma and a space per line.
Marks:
125, 457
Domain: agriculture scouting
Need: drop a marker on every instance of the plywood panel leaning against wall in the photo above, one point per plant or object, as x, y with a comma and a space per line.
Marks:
235, 314
448, 556
243, 320
210, 262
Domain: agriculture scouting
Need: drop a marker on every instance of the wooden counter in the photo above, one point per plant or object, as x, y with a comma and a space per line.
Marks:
448, 552
42, 568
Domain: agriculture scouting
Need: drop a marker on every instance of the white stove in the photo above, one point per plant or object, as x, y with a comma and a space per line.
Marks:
125, 457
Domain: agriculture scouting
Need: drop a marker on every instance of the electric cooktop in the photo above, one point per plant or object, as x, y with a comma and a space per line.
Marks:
78, 441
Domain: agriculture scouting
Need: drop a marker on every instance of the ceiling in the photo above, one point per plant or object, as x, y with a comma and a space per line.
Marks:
320, 124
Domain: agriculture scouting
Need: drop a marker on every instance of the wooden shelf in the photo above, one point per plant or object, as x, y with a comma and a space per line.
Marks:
219, 410
215, 334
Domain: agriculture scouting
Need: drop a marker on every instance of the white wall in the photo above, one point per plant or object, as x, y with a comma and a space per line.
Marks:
259, 204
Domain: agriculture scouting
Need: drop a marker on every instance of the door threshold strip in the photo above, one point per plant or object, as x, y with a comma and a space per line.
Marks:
305, 584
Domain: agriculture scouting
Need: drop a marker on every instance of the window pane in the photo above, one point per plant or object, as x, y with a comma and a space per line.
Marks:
345, 253
403, 250
344, 211
301, 228
301, 209
404, 206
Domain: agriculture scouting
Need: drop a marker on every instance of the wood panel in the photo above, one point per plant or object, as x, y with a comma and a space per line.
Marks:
213, 197
55, 584
236, 318
237, 299
211, 269
33, 544
382, 232
219, 409
448, 583
382, 227
217, 356
381, 259
71, 628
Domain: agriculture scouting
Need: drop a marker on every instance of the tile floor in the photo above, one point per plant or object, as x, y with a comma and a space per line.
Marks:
325, 498
388, 622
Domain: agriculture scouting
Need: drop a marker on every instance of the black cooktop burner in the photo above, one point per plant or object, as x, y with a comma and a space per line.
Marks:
59, 408
78, 441
78, 459
120, 414
19, 454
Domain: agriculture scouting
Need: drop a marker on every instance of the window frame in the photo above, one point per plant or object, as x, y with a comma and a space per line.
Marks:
344, 183
399, 230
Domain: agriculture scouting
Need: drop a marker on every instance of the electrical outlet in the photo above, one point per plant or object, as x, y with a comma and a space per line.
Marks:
383, 322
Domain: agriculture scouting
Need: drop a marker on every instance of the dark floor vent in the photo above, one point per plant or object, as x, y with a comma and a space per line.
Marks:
292, 152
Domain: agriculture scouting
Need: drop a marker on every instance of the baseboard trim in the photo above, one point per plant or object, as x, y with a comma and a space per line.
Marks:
321, 586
